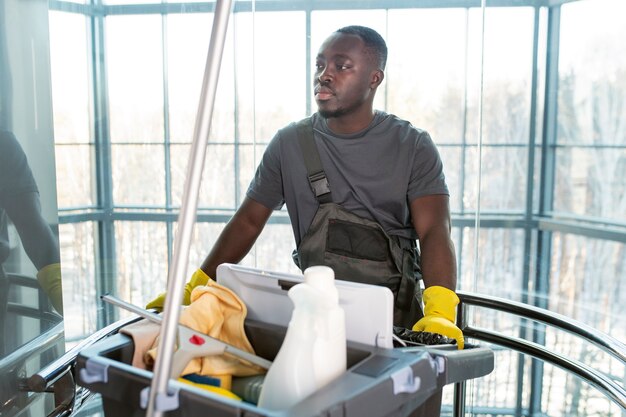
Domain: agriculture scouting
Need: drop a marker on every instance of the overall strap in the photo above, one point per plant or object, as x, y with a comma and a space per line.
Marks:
315, 171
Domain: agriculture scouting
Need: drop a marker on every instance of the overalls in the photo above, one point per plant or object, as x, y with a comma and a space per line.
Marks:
357, 249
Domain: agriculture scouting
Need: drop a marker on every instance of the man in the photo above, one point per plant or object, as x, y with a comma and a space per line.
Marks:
382, 183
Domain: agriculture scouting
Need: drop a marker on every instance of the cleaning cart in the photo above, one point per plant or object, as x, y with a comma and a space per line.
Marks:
380, 380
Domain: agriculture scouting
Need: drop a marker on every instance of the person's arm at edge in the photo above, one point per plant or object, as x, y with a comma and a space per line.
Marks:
238, 236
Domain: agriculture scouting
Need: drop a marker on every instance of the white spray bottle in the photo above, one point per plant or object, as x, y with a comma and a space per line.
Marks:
314, 350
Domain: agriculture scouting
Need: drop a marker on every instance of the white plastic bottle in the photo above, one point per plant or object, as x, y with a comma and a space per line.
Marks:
314, 350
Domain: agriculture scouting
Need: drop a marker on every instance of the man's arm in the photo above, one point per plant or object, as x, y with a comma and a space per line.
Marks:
431, 219
238, 236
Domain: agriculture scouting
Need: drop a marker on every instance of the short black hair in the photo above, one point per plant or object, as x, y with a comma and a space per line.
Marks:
372, 40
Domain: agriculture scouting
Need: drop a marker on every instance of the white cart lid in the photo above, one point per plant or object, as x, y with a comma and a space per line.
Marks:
368, 308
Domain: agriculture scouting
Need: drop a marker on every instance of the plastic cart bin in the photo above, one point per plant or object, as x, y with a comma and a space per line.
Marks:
379, 382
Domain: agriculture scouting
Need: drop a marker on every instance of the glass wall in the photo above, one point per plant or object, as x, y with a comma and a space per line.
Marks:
524, 100
31, 304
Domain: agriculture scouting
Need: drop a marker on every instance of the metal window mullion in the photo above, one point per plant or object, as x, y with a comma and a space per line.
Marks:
528, 215
546, 196
386, 96
105, 265
548, 153
460, 389
167, 156
308, 64
236, 116
463, 136
299, 5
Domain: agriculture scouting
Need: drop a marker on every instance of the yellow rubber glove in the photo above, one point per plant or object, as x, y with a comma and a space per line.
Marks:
49, 278
439, 312
198, 278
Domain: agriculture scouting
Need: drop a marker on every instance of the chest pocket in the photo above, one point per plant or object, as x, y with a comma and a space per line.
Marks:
357, 249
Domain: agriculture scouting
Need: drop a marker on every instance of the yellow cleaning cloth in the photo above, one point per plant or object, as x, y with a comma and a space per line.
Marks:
218, 312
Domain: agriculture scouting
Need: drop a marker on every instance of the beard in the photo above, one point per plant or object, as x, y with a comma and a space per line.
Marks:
339, 111
329, 114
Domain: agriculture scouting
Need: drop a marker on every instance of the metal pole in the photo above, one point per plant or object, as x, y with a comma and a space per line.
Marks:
186, 219
458, 406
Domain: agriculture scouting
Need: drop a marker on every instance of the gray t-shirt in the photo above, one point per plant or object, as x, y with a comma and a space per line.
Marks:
374, 173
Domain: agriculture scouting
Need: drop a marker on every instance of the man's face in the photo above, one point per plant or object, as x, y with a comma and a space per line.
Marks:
346, 76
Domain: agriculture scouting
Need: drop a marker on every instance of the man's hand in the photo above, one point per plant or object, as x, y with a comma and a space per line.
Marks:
49, 278
198, 278
439, 312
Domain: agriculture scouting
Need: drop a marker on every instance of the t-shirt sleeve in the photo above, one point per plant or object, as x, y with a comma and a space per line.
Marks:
427, 177
266, 186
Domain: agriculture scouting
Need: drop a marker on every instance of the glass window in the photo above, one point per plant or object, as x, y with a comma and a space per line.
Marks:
78, 264
273, 249
217, 189
587, 281
425, 74
503, 184
507, 71
71, 109
138, 177
249, 156
142, 263
453, 169
70, 83
122, 2
582, 400
592, 62
188, 38
74, 175
187, 45
591, 182
500, 262
271, 72
203, 239
591, 158
134, 62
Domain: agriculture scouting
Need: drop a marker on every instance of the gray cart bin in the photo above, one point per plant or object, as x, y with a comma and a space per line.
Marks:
378, 382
